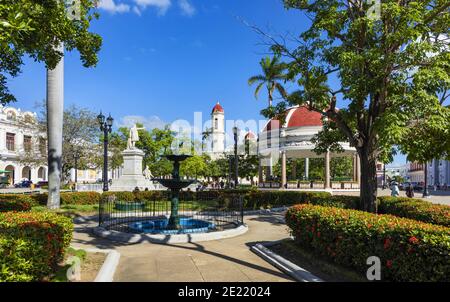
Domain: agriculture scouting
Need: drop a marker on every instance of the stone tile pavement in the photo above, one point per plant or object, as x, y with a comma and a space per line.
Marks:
220, 260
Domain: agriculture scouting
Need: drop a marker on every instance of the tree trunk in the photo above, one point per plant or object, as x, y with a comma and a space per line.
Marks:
368, 181
55, 106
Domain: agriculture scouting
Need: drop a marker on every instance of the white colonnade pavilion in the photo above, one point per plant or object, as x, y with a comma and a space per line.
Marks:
293, 141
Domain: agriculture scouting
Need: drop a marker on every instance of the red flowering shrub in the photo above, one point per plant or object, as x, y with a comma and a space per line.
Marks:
31, 244
409, 250
15, 202
417, 209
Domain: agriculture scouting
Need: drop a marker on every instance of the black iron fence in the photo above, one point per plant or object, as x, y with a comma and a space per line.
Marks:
219, 212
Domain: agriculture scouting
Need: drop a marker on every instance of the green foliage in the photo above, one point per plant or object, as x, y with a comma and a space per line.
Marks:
392, 71
273, 73
409, 250
417, 209
16, 202
155, 143
195, 166
256, 199
32, 244
70, 198
37, 28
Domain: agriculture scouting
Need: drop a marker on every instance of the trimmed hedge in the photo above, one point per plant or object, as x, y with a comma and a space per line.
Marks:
268, 199
32, 244
409, 250
16, 202
253, 199
78, 198
417, 209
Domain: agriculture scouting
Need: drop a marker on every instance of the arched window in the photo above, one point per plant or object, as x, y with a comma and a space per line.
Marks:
216, 123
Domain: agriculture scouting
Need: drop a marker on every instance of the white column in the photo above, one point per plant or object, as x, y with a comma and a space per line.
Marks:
327, 170
283, 170
55, 108
270, 168
306, 168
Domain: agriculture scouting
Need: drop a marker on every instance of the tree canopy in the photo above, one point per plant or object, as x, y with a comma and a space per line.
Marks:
36, 28
389, 65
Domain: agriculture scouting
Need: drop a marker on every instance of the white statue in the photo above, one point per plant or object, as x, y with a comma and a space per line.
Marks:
133, 137
147, 174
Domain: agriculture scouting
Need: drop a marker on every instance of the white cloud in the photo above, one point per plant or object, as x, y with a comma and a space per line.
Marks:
137, 11
161, 5
112, 7
187, 8
148, 122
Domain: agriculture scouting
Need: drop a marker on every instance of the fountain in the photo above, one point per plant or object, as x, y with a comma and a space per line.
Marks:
175, 184
137, 221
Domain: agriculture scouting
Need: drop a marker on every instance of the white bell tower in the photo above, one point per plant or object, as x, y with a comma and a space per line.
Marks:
218, 129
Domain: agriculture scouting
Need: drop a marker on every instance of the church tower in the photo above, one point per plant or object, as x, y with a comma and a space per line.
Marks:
218, 129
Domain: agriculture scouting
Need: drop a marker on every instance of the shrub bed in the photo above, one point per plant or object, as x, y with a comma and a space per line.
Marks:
409, 250
417, 209
16, 202
31, 244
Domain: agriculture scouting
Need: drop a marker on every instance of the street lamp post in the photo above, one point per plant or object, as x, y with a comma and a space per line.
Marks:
105, 126
236, 163
425, 183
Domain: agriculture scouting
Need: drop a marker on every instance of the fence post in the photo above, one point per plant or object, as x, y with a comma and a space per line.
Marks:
100, 214
241, 204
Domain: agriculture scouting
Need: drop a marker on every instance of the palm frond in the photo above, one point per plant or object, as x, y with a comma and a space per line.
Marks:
258, 88
256, 78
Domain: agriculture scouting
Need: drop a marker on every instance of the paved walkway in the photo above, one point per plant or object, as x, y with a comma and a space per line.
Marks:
441, 197
220, 260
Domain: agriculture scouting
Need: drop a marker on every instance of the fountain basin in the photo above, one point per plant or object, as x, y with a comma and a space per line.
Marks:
187, 226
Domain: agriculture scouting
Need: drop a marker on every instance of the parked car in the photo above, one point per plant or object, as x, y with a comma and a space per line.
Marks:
23, 184
41, 183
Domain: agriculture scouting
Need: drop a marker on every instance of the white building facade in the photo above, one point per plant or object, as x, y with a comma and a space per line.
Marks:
438, 172
23, 147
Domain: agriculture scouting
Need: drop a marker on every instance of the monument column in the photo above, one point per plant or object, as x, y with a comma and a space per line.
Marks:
327, 171
283, 170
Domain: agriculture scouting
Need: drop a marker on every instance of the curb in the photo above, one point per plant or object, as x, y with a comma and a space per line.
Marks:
164, 239
106, 272
283, 264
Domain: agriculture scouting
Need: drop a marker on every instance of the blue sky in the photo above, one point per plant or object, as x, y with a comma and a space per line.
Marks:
162, 60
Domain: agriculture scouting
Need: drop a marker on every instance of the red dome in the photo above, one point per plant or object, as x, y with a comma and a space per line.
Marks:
296, 117
217, 108
250, 135
302, 116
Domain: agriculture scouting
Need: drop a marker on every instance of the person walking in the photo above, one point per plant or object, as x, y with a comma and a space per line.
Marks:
394, 189
410, 190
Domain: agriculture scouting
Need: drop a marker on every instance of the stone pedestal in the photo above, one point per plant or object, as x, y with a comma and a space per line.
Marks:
132, 176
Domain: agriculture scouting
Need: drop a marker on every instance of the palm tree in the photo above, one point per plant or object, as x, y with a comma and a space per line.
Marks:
55, 107
273, 73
